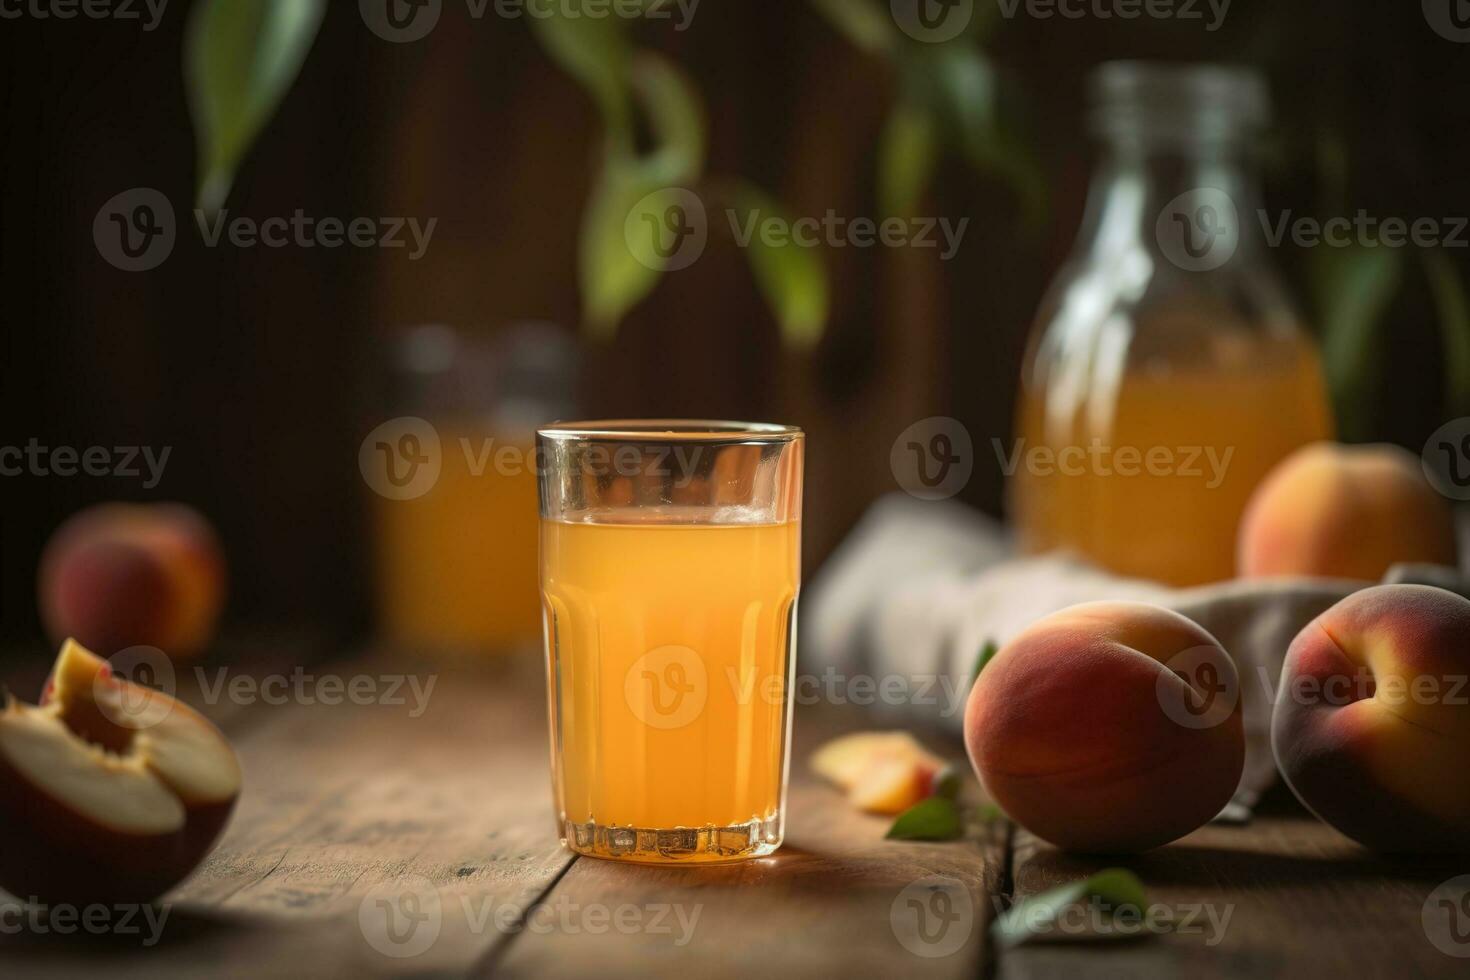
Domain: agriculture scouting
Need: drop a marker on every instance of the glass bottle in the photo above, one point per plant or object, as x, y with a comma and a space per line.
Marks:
1167, 370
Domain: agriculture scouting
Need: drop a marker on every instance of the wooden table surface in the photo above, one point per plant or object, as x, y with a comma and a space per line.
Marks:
442, 821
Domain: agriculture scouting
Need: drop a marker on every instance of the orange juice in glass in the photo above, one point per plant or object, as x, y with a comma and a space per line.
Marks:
670, 567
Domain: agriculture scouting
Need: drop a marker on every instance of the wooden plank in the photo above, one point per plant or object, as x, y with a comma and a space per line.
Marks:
1285, 896
348, 805
836, 901
345, 806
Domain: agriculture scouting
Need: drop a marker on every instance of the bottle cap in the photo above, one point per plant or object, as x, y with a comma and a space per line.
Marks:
1178, 103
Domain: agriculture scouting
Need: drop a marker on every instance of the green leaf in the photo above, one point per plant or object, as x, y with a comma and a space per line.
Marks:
989, 813
239, 61
613, 279
936, 818
1354, 287
789, 275
1033, 919
1334, 160
908, 152
965, 84
597, 53
1454, 328
987, 654
947, 783
965, 91
675, 117
863, 22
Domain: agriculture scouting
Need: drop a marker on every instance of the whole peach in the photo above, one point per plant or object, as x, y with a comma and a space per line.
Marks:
1372, 720
1108, 727
120, 575
1335, 511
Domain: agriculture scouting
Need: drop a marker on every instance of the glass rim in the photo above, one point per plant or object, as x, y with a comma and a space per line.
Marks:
669, 430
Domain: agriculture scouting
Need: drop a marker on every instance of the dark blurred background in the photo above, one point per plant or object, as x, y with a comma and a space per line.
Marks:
261, 367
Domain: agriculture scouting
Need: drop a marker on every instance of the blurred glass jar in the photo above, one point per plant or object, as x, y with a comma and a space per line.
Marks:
1167, 370
457, 553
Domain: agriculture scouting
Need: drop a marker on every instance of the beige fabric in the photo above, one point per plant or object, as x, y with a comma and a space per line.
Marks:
920, 586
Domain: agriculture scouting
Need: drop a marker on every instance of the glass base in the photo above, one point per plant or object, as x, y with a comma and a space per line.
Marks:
675, 845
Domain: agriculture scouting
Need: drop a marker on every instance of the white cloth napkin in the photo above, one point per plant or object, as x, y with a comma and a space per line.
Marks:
919, 587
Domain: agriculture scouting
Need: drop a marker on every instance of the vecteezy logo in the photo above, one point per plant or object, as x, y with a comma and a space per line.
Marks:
135, 230
128, 691
1199, 230
1449, 18
1199, 689
401, 918
400, 21
667, 687
401, 458
667, 230
941, 450
934, 21
1455, 454
1446, 917
933, 458
933, 916
1446, 459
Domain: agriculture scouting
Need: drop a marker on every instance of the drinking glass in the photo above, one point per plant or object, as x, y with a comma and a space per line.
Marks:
670, 566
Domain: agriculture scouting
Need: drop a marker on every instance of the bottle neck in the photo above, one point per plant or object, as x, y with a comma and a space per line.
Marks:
1136, 185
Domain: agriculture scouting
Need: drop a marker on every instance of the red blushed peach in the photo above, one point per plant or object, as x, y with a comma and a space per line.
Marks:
1109, 727
121, 575
1372, 721
1335, 511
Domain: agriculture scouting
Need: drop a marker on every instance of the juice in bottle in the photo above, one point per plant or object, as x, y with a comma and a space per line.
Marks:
1167, 372
1170, 463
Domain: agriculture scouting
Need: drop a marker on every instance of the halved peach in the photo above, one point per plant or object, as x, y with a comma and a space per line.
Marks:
109, 792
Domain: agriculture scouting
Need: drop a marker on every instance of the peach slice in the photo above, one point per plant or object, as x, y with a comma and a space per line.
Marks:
882, 772
892, 785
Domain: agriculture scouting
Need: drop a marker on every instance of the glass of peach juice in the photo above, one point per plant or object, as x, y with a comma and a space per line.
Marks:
670, 566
